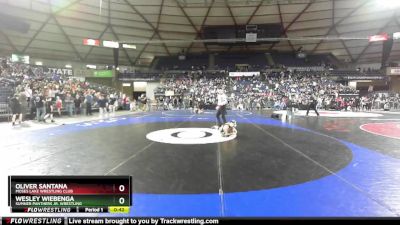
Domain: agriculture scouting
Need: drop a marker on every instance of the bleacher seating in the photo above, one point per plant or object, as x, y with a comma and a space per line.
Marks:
257, 61
354, 73
229, 61
192, 62
290, 59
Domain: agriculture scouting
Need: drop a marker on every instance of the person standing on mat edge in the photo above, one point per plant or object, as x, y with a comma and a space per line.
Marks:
88, 101
15, 106
221, 106
312, 104
49, 109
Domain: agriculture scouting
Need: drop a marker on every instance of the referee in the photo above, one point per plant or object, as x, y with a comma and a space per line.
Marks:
221, 106
312, 104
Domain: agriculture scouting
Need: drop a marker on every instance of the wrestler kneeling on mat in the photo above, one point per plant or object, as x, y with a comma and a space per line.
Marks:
228, 129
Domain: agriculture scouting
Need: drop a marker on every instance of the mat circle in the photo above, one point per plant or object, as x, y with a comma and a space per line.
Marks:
388, 129
188, 136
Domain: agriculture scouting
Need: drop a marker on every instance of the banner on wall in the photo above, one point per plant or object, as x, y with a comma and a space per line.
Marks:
83, 73
138, 79
396, 35
20, 58
94, 73
365, 77
103, 73
378, 37
139, 86
60, 71
243, 74
370, 88
169, 93
393, 71
138, 76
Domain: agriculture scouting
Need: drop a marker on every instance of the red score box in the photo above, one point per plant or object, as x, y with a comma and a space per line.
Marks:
69, 185
79, 189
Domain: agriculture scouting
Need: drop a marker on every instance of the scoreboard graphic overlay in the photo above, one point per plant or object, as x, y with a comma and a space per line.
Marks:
69, 194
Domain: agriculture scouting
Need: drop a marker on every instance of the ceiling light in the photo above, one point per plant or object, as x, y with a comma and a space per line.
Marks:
396, 35
129, 46
91, 66
110, 44
387, 4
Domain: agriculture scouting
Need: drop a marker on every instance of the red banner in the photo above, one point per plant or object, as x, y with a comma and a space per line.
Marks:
91, 42
378, 37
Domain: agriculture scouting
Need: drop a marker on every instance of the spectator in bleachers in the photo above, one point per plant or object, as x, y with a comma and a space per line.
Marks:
132, 105
125, 102
59, 105
102, 102
40, 107
77, 105
143, 102
272, 89
88, 102
30, 80
32, 106
112, 104
69, 103
24, 105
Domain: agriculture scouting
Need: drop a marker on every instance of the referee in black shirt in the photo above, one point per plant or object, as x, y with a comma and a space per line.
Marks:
312, 104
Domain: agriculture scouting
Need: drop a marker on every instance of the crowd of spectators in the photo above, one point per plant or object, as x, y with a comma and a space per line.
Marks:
282, 89
277, 90
41, 94
383, 100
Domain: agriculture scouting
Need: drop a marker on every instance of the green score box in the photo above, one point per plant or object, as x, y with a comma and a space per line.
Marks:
69, 200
